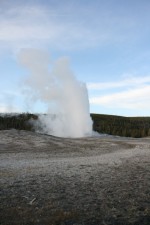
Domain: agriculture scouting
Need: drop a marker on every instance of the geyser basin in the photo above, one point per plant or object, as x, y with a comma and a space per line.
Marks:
64, 95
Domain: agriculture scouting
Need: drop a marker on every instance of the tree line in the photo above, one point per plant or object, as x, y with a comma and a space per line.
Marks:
106, 124
17, 121
121, 126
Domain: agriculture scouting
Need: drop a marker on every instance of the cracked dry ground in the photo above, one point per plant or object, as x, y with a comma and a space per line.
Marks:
46, 180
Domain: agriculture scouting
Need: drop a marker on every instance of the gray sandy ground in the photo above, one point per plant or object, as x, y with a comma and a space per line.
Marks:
47, 180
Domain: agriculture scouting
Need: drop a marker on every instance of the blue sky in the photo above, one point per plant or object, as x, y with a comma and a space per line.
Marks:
107, 42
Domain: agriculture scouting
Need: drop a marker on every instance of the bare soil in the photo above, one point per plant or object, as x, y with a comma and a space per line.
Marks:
45, 180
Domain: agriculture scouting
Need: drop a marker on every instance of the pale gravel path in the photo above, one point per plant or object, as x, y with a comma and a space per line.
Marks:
98, 180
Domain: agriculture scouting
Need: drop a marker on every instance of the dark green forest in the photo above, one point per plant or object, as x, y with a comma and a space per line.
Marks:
18, 121
107, 124
121, 126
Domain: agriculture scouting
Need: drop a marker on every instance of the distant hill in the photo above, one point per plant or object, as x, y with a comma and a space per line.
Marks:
121, 126
115, 125
17, 121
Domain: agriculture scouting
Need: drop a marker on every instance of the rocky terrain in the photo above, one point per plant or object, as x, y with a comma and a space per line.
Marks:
45, 180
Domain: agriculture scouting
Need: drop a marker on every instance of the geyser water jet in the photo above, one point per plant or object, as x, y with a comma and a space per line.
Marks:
66, 98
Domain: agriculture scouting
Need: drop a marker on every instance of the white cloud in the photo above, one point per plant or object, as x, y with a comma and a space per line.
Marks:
65, 26
23, 26
128, 82
8, 109
134, 94
33, 25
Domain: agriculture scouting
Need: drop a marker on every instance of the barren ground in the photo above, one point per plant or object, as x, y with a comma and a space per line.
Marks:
46, 180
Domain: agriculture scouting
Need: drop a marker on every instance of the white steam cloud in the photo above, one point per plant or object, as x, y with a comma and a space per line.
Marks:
54, 83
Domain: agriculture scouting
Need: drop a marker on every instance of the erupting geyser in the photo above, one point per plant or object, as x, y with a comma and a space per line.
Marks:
67, 99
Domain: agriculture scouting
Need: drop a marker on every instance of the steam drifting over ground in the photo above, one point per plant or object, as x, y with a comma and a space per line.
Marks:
54, 84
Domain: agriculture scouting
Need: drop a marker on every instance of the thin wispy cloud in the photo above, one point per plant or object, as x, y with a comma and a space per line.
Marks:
66, 27
128, 82
134, 94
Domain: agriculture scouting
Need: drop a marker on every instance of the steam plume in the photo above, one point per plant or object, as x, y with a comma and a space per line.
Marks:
67, 99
